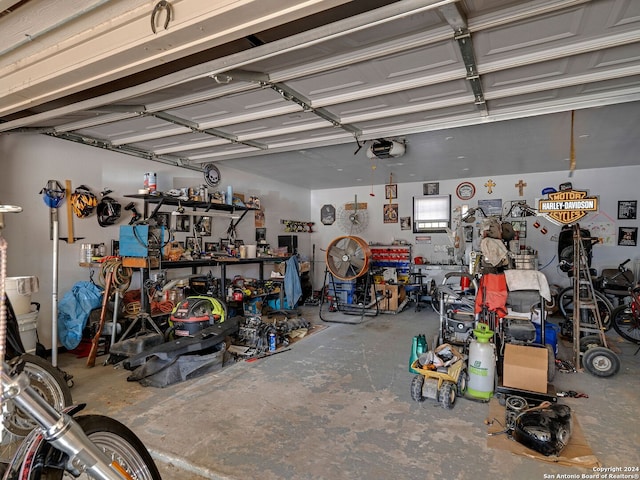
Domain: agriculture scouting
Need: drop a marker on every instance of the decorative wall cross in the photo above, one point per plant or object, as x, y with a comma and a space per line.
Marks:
490, 184
520, 186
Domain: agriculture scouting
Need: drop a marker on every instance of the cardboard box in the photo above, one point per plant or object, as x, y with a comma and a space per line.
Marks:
392, 296
525, 368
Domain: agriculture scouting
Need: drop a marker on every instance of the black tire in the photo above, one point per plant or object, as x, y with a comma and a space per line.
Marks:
590, 341
626, 324
601, 362
448, 395
50, 384
551, 365
462, 382
565, 304
417, 382
112, 437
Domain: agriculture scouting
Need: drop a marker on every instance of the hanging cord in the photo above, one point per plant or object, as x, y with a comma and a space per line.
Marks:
121, 278
156, 306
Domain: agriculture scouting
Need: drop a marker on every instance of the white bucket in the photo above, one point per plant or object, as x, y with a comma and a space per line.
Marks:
251, 251
28, 327
19, 291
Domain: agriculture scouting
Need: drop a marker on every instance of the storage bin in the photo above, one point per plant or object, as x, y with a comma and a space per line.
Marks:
550, 335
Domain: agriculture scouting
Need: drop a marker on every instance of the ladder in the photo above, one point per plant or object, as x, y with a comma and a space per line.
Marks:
586, 314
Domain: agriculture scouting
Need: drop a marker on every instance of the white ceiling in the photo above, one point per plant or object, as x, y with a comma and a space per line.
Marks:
474, 88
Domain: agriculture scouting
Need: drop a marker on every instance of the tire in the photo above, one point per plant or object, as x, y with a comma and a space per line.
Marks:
448, 395
590, 341
462, 382
601, 362
50, 384
551, 365
112, 437
565, 304
626, 324
417, 382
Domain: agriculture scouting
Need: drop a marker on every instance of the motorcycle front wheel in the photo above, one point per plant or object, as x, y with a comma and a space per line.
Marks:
50, 384
117, 441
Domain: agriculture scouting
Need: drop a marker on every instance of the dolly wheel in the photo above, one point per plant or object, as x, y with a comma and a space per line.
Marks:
590, 341
601, 362
551, 364
462, 382
417, 382
448, 395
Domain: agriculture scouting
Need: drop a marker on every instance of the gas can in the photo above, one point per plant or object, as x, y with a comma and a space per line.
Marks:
418, 347
482, 364
272, 342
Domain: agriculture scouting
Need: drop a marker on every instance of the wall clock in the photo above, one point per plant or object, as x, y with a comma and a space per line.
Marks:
211, 175
465, 191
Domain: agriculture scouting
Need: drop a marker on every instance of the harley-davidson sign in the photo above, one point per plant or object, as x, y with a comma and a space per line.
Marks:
568, 206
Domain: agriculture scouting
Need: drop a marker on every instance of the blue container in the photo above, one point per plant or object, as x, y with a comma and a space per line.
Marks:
550, 335
272, 342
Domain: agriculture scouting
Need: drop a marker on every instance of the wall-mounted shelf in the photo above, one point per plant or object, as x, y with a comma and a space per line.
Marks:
160, 200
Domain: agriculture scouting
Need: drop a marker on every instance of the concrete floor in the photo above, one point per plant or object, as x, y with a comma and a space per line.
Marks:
338, 406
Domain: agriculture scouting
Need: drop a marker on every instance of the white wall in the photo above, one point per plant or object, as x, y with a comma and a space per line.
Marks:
609, 184
29, 161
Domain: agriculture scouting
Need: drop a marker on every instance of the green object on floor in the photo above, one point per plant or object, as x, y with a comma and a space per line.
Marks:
418, 347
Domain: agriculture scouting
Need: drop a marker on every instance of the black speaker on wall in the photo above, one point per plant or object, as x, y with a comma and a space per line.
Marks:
289, 241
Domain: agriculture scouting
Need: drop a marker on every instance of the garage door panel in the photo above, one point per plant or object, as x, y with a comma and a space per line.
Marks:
384, 74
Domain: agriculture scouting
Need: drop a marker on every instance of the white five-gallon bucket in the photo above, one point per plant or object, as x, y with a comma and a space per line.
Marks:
28, 327
19, 290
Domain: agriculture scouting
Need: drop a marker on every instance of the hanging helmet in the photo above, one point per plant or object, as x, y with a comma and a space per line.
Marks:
108, 211
53, 194
83, 201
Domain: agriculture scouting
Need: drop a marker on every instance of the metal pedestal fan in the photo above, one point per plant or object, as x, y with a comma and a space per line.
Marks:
347, 281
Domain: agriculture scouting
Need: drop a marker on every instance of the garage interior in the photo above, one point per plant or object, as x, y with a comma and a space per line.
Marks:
363, 107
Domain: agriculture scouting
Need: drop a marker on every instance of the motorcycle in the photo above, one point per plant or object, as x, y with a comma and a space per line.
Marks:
61, 445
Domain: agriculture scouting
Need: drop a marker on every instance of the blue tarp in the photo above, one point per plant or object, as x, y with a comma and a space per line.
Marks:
74, 310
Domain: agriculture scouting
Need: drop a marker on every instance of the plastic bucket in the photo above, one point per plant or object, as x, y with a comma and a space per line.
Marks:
550, 335
21, 302
28, 327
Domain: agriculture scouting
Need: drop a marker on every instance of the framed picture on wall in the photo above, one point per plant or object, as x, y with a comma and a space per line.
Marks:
431, 188
627, 209
405, 223
390, 213
628, 236
391, 191
183, 223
